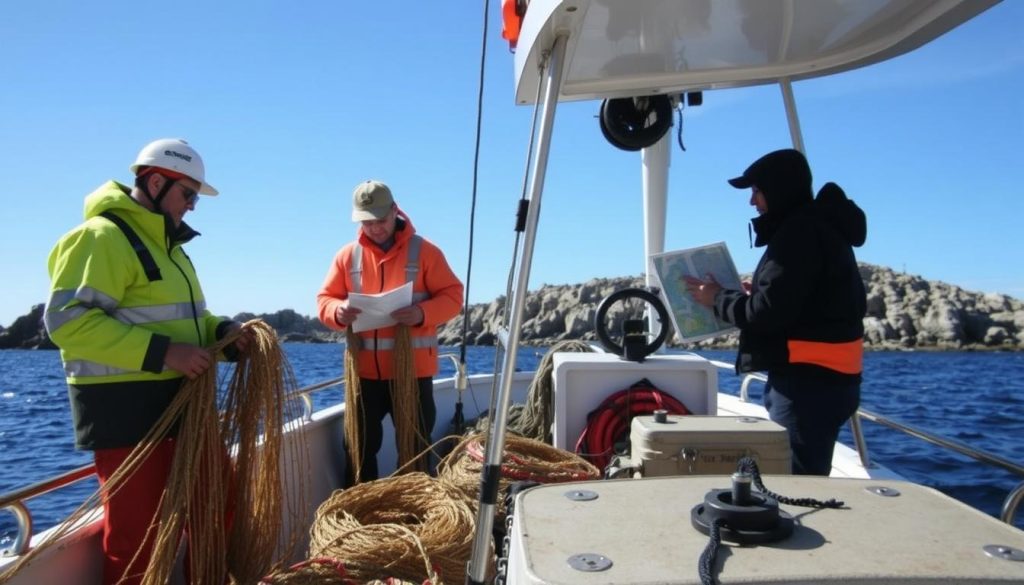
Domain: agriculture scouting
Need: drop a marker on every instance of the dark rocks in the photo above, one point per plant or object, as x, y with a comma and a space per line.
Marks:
27, 332
302, 338
904, 311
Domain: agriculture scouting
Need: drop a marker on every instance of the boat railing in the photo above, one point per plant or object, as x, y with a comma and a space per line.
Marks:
1013, 498
306, 394
15, 501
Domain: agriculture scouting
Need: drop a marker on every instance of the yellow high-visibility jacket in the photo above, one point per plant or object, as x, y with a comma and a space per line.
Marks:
113, 324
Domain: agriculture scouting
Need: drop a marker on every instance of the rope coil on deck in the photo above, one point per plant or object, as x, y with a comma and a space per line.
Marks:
325, 571
410, 527
523, 459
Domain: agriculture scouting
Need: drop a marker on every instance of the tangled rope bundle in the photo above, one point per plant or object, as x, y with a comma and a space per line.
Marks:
316, 571
405, 404
196, 495
410, 527
522, 459
534, 418
538, 414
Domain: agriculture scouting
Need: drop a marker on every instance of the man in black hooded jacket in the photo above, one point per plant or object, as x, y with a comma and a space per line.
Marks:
802, 319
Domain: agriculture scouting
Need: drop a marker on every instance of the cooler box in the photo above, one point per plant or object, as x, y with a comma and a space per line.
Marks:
582, 380
707, 445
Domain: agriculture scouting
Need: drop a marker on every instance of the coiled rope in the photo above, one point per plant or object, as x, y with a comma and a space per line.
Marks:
405, 404
534, 418
523, 459
197, 488
538, 414
411, 527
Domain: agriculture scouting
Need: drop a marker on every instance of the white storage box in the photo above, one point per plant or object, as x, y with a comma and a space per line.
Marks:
582, 380
706, 445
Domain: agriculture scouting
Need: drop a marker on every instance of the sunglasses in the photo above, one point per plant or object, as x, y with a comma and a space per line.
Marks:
191, 195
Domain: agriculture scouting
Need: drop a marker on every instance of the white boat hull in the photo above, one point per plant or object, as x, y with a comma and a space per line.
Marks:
77, 559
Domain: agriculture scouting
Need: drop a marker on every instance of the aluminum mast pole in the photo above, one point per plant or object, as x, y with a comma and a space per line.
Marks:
655, 161
491, 472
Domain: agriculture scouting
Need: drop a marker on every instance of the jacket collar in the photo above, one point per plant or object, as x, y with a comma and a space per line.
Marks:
404, 232
115, 196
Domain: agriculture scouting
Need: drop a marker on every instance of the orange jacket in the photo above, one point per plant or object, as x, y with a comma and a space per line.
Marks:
436, 290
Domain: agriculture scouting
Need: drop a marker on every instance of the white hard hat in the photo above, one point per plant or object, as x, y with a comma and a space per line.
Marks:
174, 154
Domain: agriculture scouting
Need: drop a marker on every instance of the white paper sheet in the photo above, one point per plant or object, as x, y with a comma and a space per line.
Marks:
376, 309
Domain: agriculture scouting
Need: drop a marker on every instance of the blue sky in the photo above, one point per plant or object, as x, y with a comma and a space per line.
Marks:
293, 103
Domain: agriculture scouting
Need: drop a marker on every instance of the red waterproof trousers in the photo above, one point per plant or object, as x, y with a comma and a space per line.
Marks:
128, 514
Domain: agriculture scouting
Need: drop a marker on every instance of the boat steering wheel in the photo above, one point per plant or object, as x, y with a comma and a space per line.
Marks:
634, 336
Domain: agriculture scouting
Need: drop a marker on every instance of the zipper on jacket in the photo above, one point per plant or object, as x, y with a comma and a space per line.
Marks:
191, 293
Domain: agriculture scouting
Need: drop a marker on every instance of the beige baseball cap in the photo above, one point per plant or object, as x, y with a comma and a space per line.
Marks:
371, 200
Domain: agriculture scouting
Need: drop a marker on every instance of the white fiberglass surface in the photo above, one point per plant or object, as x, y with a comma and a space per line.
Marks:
635, 47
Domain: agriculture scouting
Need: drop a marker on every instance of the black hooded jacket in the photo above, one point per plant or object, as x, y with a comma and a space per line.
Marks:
807, 287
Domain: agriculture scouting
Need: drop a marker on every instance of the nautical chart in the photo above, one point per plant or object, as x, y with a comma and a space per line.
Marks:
692, 321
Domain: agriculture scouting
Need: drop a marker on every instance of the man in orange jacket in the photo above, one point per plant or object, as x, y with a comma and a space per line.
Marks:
386, 254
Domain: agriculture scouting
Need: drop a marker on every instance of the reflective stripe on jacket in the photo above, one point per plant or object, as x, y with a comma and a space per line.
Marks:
110, 322
113, 325
363, 267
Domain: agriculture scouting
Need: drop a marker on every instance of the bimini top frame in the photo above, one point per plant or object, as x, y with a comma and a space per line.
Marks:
595, 49
625, 48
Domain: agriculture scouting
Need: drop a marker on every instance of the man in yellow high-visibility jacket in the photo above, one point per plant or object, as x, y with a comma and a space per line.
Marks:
130, 319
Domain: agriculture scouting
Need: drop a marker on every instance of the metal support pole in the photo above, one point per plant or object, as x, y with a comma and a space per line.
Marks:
655, 161
491, 472
791, 116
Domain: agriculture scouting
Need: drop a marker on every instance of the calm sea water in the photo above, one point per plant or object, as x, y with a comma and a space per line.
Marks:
973, 398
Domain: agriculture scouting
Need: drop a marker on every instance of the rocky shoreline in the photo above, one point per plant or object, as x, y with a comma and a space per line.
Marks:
904, 312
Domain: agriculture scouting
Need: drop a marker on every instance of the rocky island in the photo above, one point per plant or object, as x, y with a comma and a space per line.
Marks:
903, 312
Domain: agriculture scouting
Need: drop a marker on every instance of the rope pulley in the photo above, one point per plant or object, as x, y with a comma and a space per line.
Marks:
635, 122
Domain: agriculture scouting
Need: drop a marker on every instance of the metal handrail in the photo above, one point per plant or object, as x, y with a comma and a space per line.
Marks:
303, 394
15, 501
1010, 504
747, 379
1013, 499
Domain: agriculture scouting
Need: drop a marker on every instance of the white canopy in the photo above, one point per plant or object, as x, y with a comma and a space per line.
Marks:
624, 48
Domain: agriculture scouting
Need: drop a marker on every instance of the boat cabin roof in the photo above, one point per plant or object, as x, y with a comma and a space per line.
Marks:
624, 48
